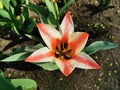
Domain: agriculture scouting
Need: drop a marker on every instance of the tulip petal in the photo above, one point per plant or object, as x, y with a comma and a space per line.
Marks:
67, 27
77, 41
66, 66
41, 55
49, 34
85, 61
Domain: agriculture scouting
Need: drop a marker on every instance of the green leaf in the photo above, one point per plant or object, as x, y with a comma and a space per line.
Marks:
25, 12
16, 57
33, 48
51, 20
1, 73
53, 17
99, 45
53, 8
5, 84
33, 37
40, 10
30, 23
30, 49
13, 3
21, 21
24, 16
6, 3
47, 66
63, 9
5, 22
4, 14
24, 84
12, 10
15, 30
18, 50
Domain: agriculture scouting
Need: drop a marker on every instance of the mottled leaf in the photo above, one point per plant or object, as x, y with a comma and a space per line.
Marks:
48, 66
99, 45
24, 84
16, 57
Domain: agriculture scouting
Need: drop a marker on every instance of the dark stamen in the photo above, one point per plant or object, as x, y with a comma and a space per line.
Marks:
67, 57
63, 51
57, 55
69, 50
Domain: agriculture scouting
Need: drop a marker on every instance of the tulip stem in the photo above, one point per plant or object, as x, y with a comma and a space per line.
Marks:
57, 13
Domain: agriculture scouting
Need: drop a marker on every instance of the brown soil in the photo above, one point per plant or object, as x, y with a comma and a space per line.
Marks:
107, 78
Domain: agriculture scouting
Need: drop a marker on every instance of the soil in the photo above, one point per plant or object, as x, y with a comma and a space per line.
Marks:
85, 18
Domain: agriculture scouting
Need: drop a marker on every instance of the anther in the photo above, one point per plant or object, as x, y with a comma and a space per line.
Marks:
62, 51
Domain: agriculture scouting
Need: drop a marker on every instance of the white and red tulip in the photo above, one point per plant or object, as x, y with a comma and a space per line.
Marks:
64, 47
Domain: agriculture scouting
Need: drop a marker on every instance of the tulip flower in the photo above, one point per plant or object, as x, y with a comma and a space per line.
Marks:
64, 47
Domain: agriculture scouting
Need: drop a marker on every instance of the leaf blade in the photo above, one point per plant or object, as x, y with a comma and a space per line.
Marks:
63, 9
99, 45
40, 10
5, 84
4, 14
49, 66
24, 84
16, 57
6, 3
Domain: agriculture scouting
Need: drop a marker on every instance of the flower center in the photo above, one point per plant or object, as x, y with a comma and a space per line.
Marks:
63, 51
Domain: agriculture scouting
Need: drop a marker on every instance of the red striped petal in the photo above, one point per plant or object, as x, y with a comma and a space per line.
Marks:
49, 34
77, 41
67, 27
41, 55
85, 61
66, 66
